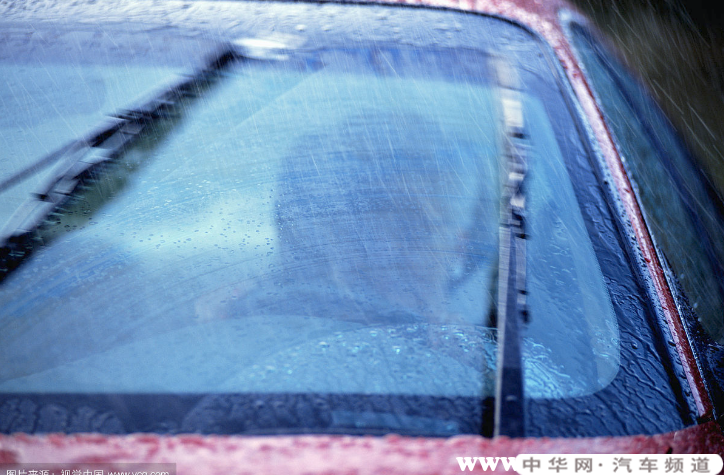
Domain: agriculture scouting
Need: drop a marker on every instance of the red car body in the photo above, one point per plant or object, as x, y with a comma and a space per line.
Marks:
326, 454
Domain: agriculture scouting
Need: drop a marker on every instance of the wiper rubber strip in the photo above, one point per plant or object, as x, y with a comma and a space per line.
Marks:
512, 306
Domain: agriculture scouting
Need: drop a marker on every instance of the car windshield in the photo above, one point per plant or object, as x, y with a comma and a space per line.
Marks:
319, 223
54, 92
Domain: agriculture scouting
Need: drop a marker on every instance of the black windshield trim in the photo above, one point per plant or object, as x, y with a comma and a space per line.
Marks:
242, 414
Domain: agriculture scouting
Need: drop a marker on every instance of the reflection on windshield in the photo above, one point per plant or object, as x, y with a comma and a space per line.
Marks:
310, 232
373, 222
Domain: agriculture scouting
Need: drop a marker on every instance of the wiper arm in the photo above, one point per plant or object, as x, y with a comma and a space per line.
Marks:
152, 108
512, 307
78, 159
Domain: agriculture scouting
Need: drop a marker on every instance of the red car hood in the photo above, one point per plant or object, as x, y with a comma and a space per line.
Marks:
332, 454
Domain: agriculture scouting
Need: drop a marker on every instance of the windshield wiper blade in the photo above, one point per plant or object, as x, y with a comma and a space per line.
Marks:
512, 306
148, 110
77, 160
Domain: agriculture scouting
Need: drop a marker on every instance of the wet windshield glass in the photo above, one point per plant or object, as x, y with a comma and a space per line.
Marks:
56, 87
322, 223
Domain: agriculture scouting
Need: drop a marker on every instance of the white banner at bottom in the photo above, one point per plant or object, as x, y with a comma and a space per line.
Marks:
618, 464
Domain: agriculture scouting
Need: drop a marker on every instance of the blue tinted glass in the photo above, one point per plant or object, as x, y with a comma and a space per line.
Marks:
333, 221
295, 220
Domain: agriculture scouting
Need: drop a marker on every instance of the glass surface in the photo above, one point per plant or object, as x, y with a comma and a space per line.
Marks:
682, 216
46, 106
301, 219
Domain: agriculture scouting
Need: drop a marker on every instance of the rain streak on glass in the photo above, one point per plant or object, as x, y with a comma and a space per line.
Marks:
324, 222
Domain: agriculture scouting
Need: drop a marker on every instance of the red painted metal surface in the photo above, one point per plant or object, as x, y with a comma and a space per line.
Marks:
392, 454
332, 454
